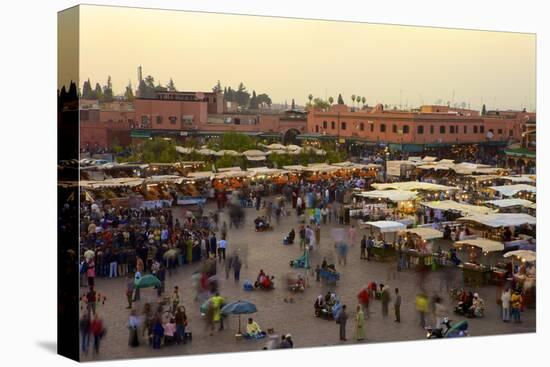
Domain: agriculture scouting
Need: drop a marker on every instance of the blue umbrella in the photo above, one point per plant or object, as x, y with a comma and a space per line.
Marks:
239, 308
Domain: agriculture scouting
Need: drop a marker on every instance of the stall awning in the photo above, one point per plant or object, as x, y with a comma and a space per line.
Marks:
413, 185
506, 203
200, 175
523, 255
426, 233
451, 205
519, 179
511, 190
501, 219
484, 244
385, 226
392, 195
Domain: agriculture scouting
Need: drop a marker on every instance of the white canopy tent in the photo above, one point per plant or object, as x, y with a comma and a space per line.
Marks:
425, 233
524, 255
200, 175
184, 150
501, 219
507, 203
392, 195
511, 190
519, 179
413, 185
385, 226
451, 205
484, 244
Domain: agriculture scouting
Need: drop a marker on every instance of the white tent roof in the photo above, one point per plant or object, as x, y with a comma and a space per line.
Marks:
511, 190
387, 226
297, 167
519, 179
276, 146
200, 175
501, 219
481, 178
506, 203
483, 243
524, 255
293, 147
255, 158
321, 167
426, 233
113, 182
254, 153
413, 185
206, 151
184, 150
429, 159
226, 169
465, 209
392, 195
265, 171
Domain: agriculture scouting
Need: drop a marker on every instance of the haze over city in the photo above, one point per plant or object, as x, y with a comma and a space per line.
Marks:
294, 58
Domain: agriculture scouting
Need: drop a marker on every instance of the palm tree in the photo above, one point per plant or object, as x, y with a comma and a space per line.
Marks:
353, 99
330, 100
358, 99
363, 99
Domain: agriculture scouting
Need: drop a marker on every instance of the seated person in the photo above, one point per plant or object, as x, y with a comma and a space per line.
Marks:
253, 330
478, 305
260, 222
319, 303
260, 277
324, 264
169, 332
291, 236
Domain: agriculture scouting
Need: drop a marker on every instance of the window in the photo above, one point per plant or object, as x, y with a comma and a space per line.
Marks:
465, 129
173, 119
144, 120
332, 125
372, 127
316, 128
362, 126
382, 128
420, 129
500, 131
510, 132
394, 129
405, 129
482, 129
442, 129
324, 124
343, 125
456, 129
431, 129
475, 129
159, 119
451, 130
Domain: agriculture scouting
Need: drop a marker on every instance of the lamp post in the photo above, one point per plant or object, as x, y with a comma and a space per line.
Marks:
386, 157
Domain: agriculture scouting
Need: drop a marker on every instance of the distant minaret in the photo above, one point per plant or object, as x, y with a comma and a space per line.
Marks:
139, 75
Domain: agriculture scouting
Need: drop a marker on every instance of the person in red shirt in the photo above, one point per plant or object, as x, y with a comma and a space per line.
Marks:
97, 330
363, 298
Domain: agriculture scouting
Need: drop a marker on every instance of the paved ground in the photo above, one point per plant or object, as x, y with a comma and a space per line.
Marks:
265, 250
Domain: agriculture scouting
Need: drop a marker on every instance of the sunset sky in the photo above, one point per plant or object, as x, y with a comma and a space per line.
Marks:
291, 58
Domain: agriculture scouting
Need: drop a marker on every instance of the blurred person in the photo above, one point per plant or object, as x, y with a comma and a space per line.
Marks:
85, 329
359, 324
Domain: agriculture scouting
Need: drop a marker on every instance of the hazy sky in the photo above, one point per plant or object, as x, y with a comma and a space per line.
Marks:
290, 58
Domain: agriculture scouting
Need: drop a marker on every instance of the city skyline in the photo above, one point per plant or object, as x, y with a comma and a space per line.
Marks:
388, 64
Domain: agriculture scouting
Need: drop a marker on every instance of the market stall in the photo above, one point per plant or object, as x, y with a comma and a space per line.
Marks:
385, 236
417, 249
474, 273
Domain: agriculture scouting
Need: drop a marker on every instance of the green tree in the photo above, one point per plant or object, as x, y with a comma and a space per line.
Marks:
310, 97
87, 92
264, 100
330, 100
483, 110
353, 99
129, 92
280, 160
340, 99
320, 103
159, 151
293, 105
98, 92
236, 141
253, 105
108, 95
363, 99
242, 97
171, 86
